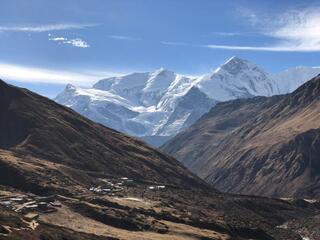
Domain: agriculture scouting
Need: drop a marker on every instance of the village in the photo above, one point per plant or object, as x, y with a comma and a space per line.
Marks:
32, 206
117, 185
28, 205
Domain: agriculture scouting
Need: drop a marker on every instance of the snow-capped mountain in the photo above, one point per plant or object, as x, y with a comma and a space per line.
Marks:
153, 105
237, 78
157, 105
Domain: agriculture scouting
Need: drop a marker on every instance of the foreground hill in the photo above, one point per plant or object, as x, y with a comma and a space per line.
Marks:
63, 177
36, 127
261, 146
157, 105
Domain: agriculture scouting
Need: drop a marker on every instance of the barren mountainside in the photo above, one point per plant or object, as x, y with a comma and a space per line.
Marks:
35, 126
262, 146
64, 177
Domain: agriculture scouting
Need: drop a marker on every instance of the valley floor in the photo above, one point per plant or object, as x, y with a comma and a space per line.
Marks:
141, 211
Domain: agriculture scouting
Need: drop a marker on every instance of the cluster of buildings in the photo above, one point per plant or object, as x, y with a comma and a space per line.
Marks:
115, 185
30, 206
111, 186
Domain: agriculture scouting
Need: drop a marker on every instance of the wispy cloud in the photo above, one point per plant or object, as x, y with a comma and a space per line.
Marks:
76, 42
273, 48
45, 27
233, 34
128, 38
20, 73
177, 43
253, 48
248, 15
297, 30
57, 39
226, 34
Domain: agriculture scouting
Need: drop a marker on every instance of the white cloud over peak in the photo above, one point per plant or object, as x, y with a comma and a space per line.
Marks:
44, 27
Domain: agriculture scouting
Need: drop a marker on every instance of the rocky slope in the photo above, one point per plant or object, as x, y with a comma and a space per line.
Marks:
157, 105
261, 146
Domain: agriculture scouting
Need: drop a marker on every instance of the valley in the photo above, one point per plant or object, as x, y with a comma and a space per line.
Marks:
54, 187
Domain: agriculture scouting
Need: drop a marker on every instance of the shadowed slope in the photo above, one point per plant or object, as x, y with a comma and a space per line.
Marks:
35, 126
265, 146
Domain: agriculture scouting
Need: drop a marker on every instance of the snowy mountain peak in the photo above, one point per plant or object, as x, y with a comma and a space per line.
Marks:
235, 60
236, 66
237, 78
159, 104
70, 87
162, 71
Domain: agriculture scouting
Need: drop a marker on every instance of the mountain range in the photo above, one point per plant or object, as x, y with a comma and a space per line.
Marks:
262, 146
157, 105
63, 176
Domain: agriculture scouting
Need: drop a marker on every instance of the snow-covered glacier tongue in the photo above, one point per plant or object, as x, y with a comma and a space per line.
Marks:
157, 105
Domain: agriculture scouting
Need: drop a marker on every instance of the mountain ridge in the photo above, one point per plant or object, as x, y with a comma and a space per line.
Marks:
261, 146
146, 104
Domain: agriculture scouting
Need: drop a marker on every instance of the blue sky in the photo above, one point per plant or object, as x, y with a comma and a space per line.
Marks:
45, 44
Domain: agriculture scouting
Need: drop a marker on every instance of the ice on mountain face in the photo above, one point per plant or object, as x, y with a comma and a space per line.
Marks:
156, 86
133, 103
189, 109
124, 83
142, 88
159, 80
157, 105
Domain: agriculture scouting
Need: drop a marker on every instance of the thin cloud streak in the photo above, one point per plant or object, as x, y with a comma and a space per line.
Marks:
20, 73
265, 49
127, 38
44, 28
176, 43
234, 34
275, 48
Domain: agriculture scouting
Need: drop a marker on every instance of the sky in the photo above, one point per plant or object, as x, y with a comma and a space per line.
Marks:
46, 44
